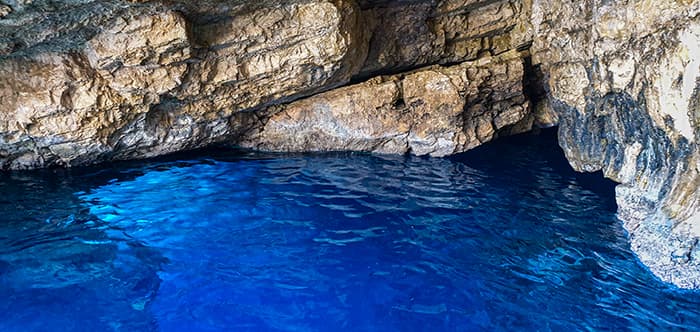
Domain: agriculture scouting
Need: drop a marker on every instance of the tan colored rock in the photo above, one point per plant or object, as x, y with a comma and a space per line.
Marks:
272, 52
5, 10
140, 78
62, 106
431, 111
118, 80
568, 83
419, 33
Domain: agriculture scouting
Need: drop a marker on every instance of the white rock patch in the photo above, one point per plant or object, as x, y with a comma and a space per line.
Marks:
678, 79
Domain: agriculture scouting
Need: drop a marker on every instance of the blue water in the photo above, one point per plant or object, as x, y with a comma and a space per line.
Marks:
503, 238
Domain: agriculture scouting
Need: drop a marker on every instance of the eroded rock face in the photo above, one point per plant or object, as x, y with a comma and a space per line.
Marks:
118, 80
435, 110
623, 78
409, 34
65, 92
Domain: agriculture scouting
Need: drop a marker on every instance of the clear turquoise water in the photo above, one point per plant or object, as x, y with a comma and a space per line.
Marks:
503, 238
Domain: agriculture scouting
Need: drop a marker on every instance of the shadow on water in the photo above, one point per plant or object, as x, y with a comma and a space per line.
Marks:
504, 237
526, 154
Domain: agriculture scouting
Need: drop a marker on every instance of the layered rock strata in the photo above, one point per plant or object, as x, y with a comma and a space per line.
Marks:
91, 81
435, 110
410, 34
87, 81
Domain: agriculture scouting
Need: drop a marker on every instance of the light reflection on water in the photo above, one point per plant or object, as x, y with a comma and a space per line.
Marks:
506, 237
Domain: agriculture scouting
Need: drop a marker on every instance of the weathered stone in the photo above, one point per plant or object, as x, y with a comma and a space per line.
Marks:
417, 33
624, 79
62, 102
119, 80
435, 110
5, 10
265, 54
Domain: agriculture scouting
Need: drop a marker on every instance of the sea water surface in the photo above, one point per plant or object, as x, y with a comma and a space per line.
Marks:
503, 238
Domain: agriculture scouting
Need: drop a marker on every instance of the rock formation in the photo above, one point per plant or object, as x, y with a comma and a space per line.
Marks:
435, 110
86, 81
624, 78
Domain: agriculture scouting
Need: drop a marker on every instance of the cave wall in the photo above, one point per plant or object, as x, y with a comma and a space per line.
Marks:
624, 78
87, 81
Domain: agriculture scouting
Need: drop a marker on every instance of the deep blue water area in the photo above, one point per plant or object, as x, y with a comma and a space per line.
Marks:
503, 238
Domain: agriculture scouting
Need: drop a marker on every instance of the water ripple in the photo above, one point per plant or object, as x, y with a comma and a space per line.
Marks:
504, 238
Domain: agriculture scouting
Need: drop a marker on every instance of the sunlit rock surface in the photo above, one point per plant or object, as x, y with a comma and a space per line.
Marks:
435, 110
86, 81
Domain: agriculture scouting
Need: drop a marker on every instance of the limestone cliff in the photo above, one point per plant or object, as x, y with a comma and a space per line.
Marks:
86, 81
624, 78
